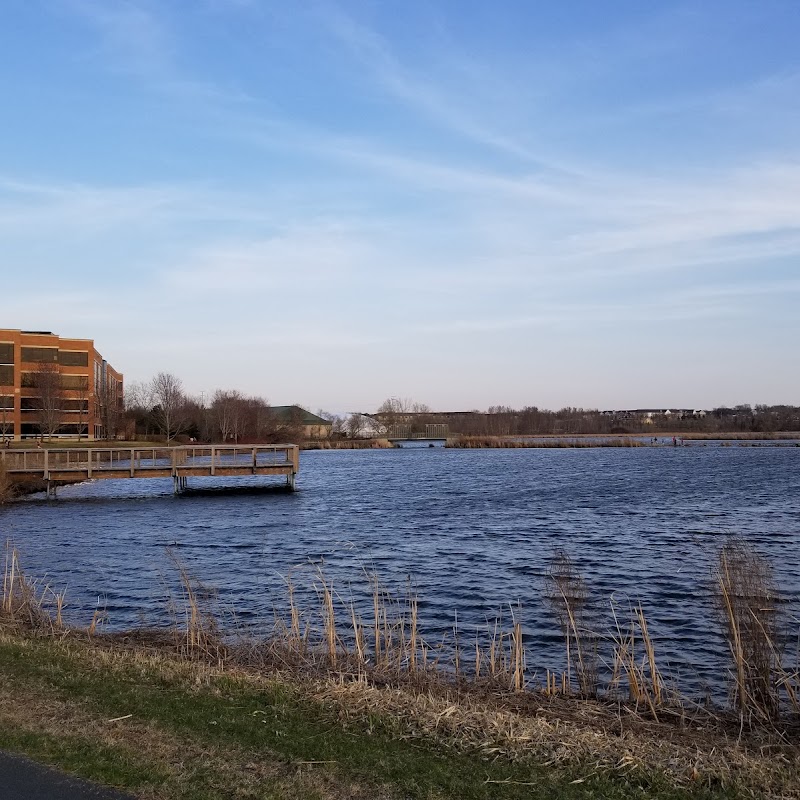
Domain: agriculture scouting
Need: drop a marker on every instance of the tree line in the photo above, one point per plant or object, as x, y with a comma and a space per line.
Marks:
531, 420
161, 406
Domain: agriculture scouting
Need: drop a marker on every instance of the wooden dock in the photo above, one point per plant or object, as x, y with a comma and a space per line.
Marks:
67, 465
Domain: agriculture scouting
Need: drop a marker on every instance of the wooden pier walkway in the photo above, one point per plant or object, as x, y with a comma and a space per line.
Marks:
60, 465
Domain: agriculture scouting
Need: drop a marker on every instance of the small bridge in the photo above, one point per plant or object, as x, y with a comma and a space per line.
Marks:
67, 465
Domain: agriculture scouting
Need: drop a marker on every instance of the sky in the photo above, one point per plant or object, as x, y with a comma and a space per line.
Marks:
461, 202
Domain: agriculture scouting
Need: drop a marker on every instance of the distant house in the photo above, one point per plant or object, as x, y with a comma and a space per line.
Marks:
313, 426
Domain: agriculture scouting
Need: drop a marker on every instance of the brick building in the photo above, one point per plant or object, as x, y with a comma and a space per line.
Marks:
56, 387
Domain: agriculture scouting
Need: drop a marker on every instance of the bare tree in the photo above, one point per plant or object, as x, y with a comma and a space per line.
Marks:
47, 382
231, 412
6, 415
402, 414
262, 417
138, 403
354, 425
82, 399
169, 404
138, 395
338, 423
110, 404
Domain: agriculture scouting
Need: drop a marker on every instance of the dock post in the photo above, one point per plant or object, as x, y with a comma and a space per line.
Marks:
290, 482
175, 484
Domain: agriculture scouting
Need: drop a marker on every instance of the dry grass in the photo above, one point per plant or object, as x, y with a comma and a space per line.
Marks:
568, 596
347, 444
199, 637
564, 733
26, 601
557, 442
748, 601
591, 737
480, 697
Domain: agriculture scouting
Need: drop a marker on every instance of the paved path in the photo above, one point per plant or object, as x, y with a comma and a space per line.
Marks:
23, 779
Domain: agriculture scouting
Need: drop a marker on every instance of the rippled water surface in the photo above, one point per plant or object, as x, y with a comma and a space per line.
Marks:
473, 530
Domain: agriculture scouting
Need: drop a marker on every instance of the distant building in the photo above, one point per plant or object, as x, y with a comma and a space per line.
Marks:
649, 415
313, 426
56, 387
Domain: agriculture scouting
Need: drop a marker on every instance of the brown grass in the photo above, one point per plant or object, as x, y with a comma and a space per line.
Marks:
748, 601
484, 699
347, 444
26, 601
568, 596
556, 442
391, 647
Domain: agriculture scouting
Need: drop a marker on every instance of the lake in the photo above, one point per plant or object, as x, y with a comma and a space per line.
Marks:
472, 531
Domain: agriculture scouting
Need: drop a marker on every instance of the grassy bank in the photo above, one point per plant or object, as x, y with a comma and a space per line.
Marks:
331, 706
134, 715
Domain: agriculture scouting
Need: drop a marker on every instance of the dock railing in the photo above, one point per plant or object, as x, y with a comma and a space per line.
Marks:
60, 464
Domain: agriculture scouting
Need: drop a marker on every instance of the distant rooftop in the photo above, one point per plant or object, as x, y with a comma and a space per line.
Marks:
297, 414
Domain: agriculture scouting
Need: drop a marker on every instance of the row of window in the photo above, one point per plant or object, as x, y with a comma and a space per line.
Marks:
30, 430
44, 355
35, 404
33, 380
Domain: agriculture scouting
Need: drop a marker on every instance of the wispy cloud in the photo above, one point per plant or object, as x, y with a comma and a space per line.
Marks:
134, 38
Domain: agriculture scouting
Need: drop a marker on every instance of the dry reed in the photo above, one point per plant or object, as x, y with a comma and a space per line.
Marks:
26, 601
748, 601
201, 635
556, 442
389, 645
568, 596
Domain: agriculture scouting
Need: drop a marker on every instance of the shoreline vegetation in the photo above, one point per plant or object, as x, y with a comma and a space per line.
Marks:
333, 704
564, 441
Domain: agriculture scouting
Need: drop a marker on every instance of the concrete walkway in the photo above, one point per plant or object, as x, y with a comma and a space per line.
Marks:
23, 779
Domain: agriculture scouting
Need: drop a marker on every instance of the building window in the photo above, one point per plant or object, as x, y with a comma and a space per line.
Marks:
6, 353
6, 375
40, 355
73, 358
7, 402
75, 405
75, 382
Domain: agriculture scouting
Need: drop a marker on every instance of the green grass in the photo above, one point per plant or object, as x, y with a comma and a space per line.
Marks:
112, 766
226, 720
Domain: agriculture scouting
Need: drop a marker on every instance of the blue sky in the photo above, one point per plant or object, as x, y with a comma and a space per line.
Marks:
467, 203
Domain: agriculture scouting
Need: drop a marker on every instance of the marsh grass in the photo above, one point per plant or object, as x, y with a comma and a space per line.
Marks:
379, 638
556, 442
748, 601
568, 596
361, 683
27, 601
199, 636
